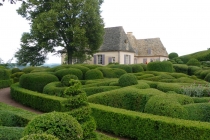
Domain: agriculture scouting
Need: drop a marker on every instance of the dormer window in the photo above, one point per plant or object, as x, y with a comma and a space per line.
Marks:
149, 51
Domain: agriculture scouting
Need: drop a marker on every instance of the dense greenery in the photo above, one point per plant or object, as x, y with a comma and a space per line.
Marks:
172, 55
164, 66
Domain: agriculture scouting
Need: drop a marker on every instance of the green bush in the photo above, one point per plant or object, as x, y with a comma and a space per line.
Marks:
193, 69
127, 80
164, 66
80, 67
181, 68
207, 78
178, 75
61, 125
65, 80
111, 72
165, 87
119, 72
172, 55
54, 88
147, 126
93, 74
28, 69
136, 68
14, 70
198, 112
127, 68
194, 62
93, 90
10, 133
91, 66
141, 85
4, 74
165, 105
144, 66
16, 76
203, 73
73, 71
39, 137
145, 76
131, 98
36, 81
5, 83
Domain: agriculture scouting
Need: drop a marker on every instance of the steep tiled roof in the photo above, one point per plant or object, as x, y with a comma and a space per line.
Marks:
115, 39
150, 47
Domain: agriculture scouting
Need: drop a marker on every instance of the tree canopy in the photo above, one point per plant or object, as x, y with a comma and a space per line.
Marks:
11, 1
74, 25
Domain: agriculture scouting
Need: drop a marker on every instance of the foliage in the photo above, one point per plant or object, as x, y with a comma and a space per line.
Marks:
193, 69
16, 76
10, 133
93, 74
76, 27
172, 55
14, 70
136, 68
127, 68
93, 90
165, 87
207, 78
54, 88
74, 71
5, 83
61, 125
127, 80
181, 68
193, 62
39, 137
111, 72
195, 90
164, 66
36, 81
28, 69
65, 80
4, 74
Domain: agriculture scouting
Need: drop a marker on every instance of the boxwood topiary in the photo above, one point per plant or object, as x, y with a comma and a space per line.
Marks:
181, 68
93, 74
14, 70
16, 76
164, 66
39, 137
36, 81
192, 70
54, 88
74, 71
127, 79
61, 125
136, 68
194, 62
127, 68
28, 69
65, 80
207, 78
4, 74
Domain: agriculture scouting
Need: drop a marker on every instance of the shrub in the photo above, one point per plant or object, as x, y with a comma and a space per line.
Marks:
107, 72
207, 78
74, 71
172, 55
127, 80
193, 69
203, 73
119, 72
5, 83
4, 74
14, 70
145, 76
136, 68
28, 69
10, 133
93, 90
144, 66
65, 80
61, 125
54, 88
193, 62
93, 74
165, 105
36, 81
178, 75
181, 68
16, 76
165, 87
127, 68
164, 66
39, 137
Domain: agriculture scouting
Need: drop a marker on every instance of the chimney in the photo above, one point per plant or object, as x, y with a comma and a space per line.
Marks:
129, 33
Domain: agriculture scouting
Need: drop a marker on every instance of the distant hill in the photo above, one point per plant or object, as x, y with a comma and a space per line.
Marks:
201, 56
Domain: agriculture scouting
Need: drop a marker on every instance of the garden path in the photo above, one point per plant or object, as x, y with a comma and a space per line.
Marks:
6, 98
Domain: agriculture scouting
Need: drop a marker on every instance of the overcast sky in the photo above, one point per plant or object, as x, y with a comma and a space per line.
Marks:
182, 25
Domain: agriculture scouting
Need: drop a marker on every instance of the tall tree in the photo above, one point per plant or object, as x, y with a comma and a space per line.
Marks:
11, 1
74, 25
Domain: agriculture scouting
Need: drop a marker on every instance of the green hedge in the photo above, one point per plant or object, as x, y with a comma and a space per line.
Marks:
181, 68
130, 98
136, 68
16, 76
164, 66
165, 87
127, 79
42, 136
93, 90
36, 81
144, 126
42, 102
54, 88
111, 72
193, 62
4, 74
145, 76
127, 68
5, 83
10, 133
192, 70
74, 71
94, 74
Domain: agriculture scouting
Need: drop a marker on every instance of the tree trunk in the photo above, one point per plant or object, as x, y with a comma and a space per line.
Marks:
69, 56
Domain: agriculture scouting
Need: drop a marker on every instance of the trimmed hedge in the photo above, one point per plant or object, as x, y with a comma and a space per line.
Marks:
74, 71
181, 68
193, 62
130, 98
164, 66
28, 69
193, 69
16, 76
5, 83
93, 90
39, 137
54, 88
127, 68
65, 80
127, 79
147, 127
42, 102
11, 133
165, 87
94, 74
4, 74
36, 81
136, 68
111, 72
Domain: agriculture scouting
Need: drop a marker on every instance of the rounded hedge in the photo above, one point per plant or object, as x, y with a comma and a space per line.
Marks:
61, 125
127, 68
28, 69
36, 81
4, 74
164, 66
207, 78
65, 80
93, 74
74, 71
193, 62
136, 68
172, 55
192, 69
14, 70
127, 80
181, 68
16, 76
39, 137
54, 88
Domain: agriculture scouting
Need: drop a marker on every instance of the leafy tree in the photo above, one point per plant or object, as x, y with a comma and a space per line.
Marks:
74, 25
172, 55
11, 1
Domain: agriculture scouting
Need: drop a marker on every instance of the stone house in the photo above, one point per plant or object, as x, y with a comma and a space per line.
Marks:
122, 48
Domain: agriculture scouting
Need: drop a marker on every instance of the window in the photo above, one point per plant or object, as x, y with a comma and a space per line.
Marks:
113, 59
145, 61
127, 59
149, 51
99, 59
